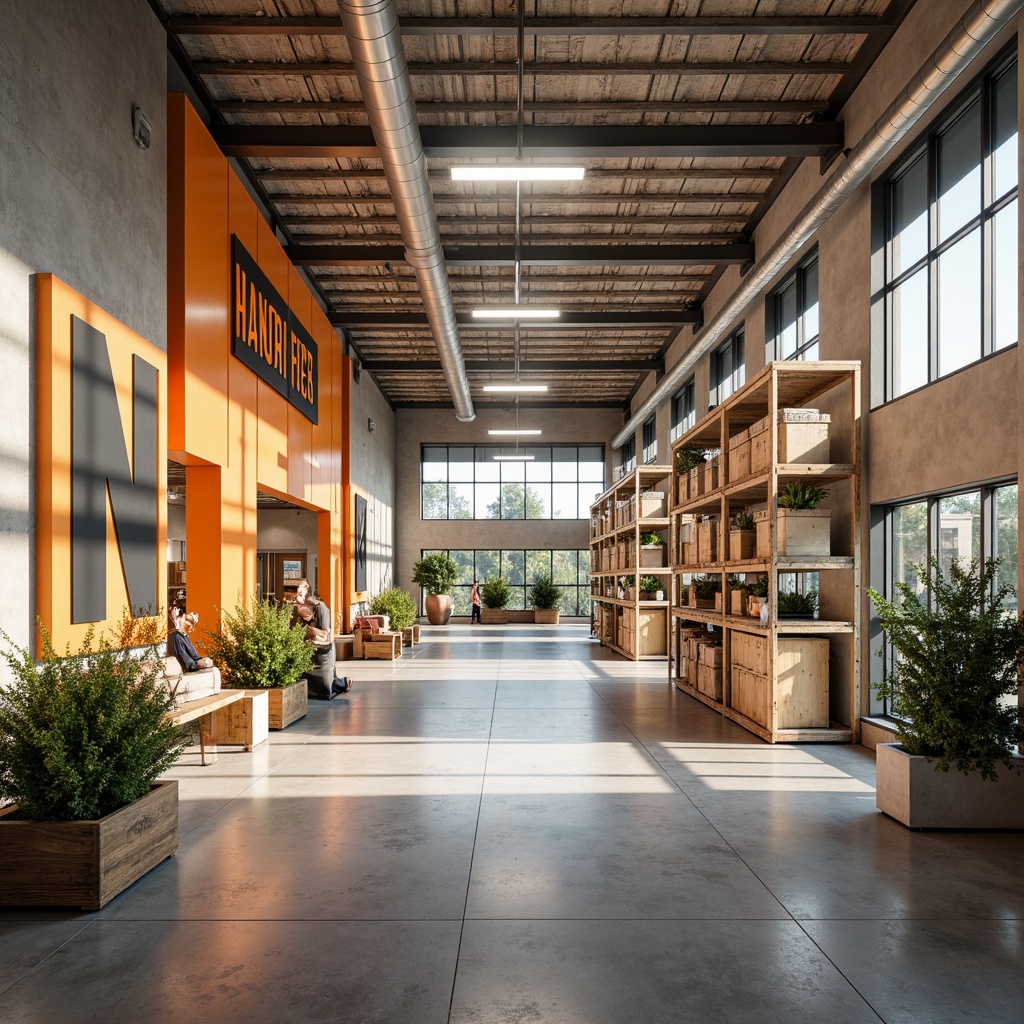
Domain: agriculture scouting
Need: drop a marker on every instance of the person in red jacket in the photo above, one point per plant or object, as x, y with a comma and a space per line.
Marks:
474, 597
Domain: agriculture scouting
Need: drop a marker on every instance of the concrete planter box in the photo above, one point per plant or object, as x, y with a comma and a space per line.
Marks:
86, 864
652, 556
910, 790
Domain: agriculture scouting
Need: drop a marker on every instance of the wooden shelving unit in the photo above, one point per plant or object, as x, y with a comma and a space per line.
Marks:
636, 504
786, 680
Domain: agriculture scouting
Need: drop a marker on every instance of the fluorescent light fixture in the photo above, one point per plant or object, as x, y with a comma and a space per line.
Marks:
510, 433
513, 458
515, 387
515, 172
514, 313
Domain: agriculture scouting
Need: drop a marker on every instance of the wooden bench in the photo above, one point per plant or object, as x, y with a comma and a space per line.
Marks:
203, 709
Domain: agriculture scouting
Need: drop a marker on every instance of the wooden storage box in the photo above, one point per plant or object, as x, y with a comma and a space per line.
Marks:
711, 655
709, 681
801, 675
711, 475
802, 531
652, 631
749, 695
750, 652
682, 488
707, 541
383, 646
738, 602
803, 436
760, 446
742, 545
246, 722
739, 456
696, 479
652, 505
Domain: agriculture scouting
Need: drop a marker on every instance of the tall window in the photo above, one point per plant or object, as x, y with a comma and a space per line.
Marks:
793, 313
568, 569
727, 368
684, 410
969, 526
628, 450
464, 482
650, 452
949, 213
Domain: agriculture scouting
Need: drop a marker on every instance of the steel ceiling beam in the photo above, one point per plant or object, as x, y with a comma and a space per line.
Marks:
560, 142
594, 173
574, 366
568, 318
607, 255
491, 69
766, 25
536, 199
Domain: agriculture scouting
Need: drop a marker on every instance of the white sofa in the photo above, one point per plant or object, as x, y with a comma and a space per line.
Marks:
204, 682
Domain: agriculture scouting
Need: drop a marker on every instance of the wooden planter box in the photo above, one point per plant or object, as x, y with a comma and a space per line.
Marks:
739, 456
287, 704
493, 616
742, 545
410, 636
246, 722
86, 863
545, 616
804, 531
737, 602
700, 602
383, 647
707, 541
910, 790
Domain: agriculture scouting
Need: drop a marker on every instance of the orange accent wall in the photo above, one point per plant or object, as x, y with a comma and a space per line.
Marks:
56, 303
233, 432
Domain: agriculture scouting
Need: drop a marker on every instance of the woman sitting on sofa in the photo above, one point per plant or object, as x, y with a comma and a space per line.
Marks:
181, 647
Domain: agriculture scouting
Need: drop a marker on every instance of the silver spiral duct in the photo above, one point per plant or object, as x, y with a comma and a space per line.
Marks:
978, 27
375, 40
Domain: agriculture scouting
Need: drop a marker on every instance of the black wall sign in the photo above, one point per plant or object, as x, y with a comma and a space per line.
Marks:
101, 461
268, 337
360, 580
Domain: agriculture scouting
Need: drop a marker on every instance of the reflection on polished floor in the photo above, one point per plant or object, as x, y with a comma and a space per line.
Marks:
510, 825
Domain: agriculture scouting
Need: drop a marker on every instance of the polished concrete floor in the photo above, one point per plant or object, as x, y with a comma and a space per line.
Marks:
510, 825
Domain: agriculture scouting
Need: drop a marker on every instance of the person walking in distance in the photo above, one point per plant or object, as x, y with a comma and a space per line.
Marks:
474, 597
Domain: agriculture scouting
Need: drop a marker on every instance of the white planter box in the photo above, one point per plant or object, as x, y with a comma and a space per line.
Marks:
910, 790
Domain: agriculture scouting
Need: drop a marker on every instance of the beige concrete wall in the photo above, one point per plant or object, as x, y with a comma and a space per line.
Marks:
437, 426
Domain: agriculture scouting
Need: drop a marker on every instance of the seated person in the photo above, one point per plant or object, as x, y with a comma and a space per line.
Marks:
321, 682
181, 647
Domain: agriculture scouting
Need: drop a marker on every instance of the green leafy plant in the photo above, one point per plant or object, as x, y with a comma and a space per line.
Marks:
82, 734
744, 521
689, 457
760, 586
258, 648
649, 584
800, 495
705, 587
397, 604
684, 595
650, 538
495, 593
955, 660
792, 603
626, 581
737, 583
544, 594
435, 573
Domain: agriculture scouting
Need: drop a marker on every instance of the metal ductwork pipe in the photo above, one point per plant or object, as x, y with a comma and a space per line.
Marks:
978, 27
375, 40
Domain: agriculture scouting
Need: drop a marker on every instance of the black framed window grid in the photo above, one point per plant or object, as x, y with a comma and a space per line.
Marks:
793, 332
465, 482
949, 240
684, 410
569, 569
965, 524
628, 457
650, 450
728, 371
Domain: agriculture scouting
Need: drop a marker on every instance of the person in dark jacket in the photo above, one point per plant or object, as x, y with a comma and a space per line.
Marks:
321, 681
182, 648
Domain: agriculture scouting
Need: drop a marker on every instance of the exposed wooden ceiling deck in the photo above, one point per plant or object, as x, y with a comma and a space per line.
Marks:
689, 117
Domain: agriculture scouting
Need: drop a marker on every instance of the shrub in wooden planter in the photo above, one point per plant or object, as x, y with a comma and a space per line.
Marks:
544, 596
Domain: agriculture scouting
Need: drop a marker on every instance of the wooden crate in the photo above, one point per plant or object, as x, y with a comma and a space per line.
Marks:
711, 475
801, 683
760, 446
737, 602
682, 488
383, 647
802, 531
287, 704
707, 541
711, 655
652, 631
696, 479
805, 441
247, 721
709, 681
742, 545
749, 695
750, 652
410, 635
652, 505
739, 456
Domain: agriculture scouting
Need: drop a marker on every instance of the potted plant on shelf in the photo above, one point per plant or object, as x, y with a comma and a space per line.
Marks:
625, 591
797, 606
738, 591
495, 595
951, 686
650, 587
258, 648
688, 461
400, 609
652, 551
544, 596
803, 527
742, 538
757, 603
703, 590
436, 574
83, 739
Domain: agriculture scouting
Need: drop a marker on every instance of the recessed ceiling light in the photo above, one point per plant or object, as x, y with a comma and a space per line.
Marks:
509, 433
516, 172
515, 387
514, 313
